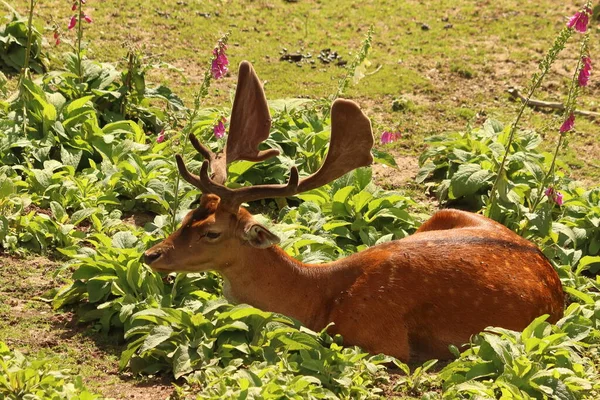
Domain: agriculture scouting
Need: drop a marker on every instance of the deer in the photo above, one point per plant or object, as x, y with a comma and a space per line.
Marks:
410, 298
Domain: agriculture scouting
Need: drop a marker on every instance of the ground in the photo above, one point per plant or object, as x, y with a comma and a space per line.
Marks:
448, 66
34, 328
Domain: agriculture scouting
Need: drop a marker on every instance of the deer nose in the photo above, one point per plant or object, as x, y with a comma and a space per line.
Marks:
151, 255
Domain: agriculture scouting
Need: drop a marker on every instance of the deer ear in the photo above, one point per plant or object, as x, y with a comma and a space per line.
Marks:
260, 237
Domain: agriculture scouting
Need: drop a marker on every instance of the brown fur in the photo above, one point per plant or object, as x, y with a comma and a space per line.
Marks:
410, 298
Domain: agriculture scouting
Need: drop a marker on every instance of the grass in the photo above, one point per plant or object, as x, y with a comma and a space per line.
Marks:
455, 73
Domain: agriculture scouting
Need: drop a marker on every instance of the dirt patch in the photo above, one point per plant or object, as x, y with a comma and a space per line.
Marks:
30, 325
397, 178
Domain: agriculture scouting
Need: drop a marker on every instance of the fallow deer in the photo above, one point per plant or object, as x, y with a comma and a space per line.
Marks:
409, 298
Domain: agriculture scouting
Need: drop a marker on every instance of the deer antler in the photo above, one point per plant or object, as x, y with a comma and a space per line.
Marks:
349, 148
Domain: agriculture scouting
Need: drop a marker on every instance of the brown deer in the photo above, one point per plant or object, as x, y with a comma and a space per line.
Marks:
409, 298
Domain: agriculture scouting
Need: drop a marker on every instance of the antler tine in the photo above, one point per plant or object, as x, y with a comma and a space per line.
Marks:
233, 198
217, 162
192, 179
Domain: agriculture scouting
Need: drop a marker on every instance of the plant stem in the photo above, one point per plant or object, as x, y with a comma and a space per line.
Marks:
202, 92
79, 38
513, 129
544, 66
569, 107
25, 69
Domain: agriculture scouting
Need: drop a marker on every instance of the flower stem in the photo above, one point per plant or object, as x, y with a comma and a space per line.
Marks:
360, 57
25, 69
513, 129
202, 92
79, 39
569, 107
544, 66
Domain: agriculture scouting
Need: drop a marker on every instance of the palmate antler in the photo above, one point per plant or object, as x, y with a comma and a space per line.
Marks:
350, 146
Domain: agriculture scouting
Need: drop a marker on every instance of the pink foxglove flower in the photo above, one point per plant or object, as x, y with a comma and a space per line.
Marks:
220, 62
389, 137
87, 18
554, 195
586, 70
74, 7
219, 128
558, 198
72, 22
568, 124
161, 137
580, 20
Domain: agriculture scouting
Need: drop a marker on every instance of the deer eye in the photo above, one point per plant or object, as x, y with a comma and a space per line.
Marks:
213, 235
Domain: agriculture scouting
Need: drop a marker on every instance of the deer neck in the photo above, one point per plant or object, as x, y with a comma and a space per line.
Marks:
271, 280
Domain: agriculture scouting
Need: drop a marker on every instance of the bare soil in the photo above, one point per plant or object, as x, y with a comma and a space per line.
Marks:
30, 325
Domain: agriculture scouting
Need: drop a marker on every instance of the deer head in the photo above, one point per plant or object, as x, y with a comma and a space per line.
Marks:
211, 235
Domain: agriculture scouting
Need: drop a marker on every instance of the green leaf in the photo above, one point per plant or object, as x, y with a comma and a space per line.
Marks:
58, 212
158, 335
469, 179
586, 298
425, 171
381, 157
70, 157
74, 107
124, 240
80, 215
181, 361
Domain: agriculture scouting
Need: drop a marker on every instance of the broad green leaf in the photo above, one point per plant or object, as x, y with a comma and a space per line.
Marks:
80, 215
158, 335
124, 240
469, 179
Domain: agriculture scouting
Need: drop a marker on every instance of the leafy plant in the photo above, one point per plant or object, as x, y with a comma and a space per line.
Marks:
540, 362
13, 45
26, 378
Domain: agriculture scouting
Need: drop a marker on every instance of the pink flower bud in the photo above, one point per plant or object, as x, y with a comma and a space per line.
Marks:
161, 137
72, 22
87, 18
74, 7
389, 137
568, 124
219, 128
559, 198
585, 72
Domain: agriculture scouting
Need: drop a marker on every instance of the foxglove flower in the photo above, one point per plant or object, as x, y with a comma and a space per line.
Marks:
586, 70
558, 199
72, 22
161, 137
580, 20
219, 128
74, 7
554, 196
568, 124
389, 137
220, 61
87, 18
